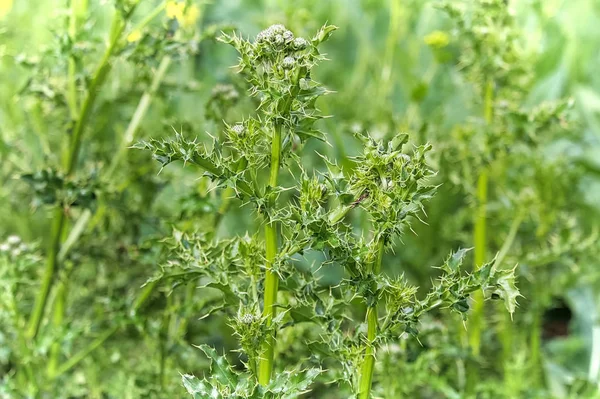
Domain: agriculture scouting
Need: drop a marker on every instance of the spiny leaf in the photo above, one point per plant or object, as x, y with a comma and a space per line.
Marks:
219, 366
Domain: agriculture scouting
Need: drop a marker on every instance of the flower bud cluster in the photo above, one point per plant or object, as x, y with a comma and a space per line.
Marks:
13, 246
225, 92
277, 34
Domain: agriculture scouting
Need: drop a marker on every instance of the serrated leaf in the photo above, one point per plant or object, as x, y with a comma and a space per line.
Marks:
220, 367
507, 289
196, 387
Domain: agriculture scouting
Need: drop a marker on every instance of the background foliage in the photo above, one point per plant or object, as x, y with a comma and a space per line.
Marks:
395, 66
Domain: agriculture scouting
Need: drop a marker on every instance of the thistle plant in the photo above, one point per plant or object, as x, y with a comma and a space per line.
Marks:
70, 88
502, 157
265, 293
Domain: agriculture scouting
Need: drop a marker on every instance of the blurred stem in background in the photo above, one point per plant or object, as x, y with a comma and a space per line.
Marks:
71, 158
78, 14
391, 43
477, 322
58, 252
128, 138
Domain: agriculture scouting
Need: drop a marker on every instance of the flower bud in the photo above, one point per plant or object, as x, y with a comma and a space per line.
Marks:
277, 29
288, 62
288, 36
300, 43
238, 129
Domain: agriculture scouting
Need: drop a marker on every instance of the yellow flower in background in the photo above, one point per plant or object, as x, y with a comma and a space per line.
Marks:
190, 16
5, 7
186, 16
174, 9
437, 39
134, 36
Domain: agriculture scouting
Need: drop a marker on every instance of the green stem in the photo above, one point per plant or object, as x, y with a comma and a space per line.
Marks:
271, 279
476, 322
57, 320
51, 265
63, 289
393, 35
70, 162
510, 238
479, 237
366, 372
92, 93
479, 232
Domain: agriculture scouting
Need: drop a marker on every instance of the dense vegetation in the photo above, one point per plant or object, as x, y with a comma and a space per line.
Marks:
370, 199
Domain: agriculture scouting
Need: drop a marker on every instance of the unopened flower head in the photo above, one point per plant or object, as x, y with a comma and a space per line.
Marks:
300, 43
238, 129
288, 62
277, 29
248, 318
288, 36
270, 33
225, 91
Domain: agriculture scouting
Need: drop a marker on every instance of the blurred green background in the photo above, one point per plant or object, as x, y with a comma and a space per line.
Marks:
387, 77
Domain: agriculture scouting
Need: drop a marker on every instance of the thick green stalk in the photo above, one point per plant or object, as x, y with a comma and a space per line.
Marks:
49, 272
396, 23
366, 372
70, 162
479, 232
271, 280
476, 320
479, 238
57, 320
